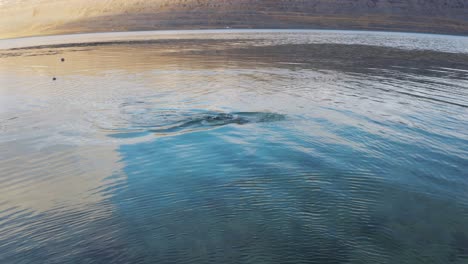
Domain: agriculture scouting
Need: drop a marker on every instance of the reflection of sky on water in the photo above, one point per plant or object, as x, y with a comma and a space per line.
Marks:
277, 191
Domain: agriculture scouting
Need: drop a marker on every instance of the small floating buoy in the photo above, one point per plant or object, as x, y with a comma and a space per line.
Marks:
53, 79
63, 59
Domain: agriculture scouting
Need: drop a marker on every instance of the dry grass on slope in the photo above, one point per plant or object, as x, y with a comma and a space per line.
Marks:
44, 17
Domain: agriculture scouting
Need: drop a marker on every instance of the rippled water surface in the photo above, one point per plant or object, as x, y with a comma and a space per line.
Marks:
243, 147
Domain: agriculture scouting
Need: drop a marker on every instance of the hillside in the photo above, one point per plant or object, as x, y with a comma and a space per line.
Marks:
43, 17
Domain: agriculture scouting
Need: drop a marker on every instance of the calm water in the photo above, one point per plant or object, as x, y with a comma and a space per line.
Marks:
243, 147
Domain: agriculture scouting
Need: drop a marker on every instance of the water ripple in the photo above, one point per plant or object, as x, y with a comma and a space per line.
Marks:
298, 147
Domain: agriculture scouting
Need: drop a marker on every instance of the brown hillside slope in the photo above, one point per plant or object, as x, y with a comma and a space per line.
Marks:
39, 17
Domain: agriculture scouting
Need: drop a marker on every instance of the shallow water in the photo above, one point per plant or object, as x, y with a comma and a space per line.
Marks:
249, 147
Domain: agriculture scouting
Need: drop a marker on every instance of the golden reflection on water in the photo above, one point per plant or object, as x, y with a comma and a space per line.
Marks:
51, 148
56, 176
58, 125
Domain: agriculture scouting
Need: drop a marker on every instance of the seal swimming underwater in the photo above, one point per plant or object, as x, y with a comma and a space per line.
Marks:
196, 121
216, 119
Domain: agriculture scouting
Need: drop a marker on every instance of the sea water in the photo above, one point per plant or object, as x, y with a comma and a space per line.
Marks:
234, 147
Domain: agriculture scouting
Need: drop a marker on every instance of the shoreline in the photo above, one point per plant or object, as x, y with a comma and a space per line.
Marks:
50, 41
